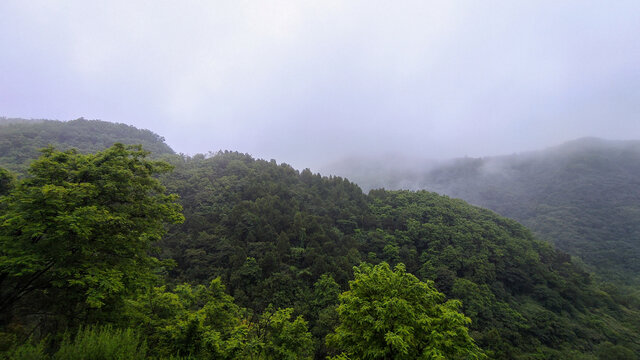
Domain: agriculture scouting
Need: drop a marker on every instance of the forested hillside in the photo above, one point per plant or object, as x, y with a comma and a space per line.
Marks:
21, 139
270, 233
583, 196
257, 260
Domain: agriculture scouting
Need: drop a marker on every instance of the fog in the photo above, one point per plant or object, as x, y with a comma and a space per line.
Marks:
311, 83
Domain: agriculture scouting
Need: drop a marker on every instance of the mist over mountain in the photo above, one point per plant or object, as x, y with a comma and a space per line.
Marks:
311, 81
320, 180
583, 195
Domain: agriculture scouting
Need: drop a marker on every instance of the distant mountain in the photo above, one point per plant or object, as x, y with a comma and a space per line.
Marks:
389, 171
583, 196
20, 139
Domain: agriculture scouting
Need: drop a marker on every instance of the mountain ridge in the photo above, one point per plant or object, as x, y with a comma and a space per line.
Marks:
20, 139
581, 195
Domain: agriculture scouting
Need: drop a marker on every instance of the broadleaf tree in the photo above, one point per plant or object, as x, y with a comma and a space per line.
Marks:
6, 181
76, 234
390, 314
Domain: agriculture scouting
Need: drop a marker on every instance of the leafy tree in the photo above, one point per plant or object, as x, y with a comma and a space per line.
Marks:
75, 235
6, 181
277, 336
102, 343
323, 316
390, 314
96, 343
190, 321
203, 321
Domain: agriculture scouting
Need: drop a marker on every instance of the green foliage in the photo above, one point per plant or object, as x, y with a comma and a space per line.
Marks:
390, 314
204, 322
96, 343
21, 139
323, 312
103, 343
523, 296
278, 336
270, 233
28, 351
200, 320
609, 351
581, 196
6, 181
76, 233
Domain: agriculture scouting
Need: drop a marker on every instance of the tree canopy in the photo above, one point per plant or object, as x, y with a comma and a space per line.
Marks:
21, 139
581, 196
390, 314
76, 233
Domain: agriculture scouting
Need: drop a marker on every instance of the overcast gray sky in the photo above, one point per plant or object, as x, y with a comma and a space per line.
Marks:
307, 82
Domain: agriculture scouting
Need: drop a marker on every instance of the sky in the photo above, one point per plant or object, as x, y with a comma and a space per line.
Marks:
311, 82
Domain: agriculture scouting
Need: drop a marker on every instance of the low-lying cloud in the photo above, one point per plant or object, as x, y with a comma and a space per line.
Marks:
311, 82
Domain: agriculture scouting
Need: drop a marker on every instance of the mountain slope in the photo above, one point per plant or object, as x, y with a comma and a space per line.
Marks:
583, 196
21, 139
271, 232
278, 237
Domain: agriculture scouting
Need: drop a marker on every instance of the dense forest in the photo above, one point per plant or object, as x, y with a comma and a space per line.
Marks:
21, 139
582, 196
105, 253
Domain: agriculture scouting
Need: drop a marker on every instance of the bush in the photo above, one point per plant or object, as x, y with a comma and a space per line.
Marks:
102, 343
28, 351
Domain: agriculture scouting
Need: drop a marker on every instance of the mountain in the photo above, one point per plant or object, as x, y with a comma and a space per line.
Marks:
582, 196
21, 139
271, 232
277, 237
